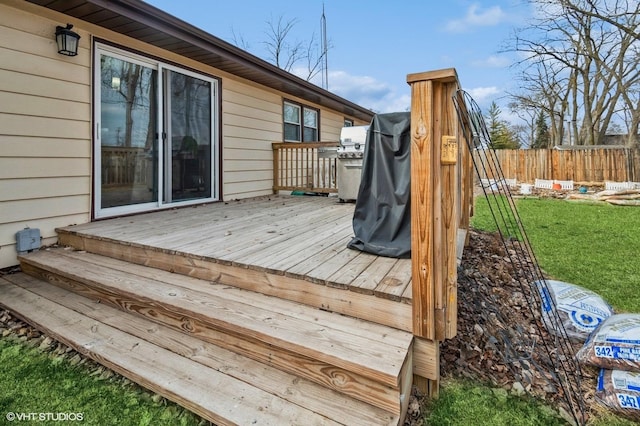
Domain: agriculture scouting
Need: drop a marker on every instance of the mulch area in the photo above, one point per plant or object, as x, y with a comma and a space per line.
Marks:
499, 341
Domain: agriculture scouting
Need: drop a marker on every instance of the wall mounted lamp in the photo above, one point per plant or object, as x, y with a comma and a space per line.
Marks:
67, 40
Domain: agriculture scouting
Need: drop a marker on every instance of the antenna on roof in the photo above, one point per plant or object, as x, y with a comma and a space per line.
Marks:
325, 62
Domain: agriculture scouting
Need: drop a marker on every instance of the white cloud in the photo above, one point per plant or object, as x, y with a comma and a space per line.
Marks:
493, 61
357, 86
483, 94
477, 18
367, 92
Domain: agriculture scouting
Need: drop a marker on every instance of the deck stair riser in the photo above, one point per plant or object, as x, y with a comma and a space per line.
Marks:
365, 361
220, 386
355, 302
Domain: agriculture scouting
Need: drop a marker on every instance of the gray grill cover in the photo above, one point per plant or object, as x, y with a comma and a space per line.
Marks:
382, 216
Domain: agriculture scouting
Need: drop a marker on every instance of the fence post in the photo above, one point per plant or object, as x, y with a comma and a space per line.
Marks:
435, 212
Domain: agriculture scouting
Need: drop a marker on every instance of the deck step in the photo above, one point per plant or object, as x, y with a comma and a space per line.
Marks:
219, 385
365, 361
326, 275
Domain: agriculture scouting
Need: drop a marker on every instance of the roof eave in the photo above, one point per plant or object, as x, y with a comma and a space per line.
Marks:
209, 49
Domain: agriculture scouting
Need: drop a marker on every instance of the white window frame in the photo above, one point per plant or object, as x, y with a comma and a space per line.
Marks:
301, 124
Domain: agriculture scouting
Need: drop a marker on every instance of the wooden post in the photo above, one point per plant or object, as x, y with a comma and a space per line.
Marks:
276, 168
437, 199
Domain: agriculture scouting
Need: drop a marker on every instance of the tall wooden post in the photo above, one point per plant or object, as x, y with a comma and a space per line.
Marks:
436, 194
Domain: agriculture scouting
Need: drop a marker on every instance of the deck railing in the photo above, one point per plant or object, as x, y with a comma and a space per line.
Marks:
124, 165
309, 166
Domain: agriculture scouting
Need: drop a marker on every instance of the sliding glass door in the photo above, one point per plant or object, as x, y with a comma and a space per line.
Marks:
188, 137
155, 137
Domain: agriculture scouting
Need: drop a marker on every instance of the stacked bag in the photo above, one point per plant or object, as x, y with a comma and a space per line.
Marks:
612, 341
615, 347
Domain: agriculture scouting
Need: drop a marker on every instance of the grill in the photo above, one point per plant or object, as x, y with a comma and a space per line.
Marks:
350, 155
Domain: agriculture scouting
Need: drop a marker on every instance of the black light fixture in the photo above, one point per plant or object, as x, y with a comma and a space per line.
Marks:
67, 40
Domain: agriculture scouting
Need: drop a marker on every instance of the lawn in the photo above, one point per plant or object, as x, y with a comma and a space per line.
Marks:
61, 387
594, 246
591, 245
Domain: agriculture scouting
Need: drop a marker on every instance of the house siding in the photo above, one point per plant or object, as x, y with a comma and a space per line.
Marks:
45, 129
46, 125
252, 120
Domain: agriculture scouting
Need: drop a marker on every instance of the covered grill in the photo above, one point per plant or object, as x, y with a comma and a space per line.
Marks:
382, 215
350, 155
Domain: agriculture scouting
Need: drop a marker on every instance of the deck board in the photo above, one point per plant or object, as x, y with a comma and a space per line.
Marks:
301, 237
177, 378
232, 309
396, 281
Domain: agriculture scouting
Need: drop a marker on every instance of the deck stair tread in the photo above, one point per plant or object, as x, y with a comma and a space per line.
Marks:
364, 360
219, 385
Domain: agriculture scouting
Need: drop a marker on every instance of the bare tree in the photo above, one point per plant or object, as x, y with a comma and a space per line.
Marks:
285, 53
580, 69
239, 40
616, 13
544, 88
315, 60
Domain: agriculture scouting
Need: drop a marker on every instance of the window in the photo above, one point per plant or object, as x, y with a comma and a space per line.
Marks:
348, 122
291, 122
300, 123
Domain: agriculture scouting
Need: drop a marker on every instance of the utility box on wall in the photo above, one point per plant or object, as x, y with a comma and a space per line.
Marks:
27, 240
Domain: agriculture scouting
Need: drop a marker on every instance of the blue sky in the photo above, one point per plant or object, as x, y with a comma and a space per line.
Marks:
375, 44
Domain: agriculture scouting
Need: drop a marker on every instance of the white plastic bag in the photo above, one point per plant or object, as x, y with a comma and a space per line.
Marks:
615, 345
579, 311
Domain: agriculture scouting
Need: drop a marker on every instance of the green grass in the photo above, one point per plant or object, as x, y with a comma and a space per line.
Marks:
35, 382
591, 245
466, 403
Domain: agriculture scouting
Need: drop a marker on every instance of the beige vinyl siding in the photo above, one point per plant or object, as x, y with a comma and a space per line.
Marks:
331, 124
252, 120
45, 129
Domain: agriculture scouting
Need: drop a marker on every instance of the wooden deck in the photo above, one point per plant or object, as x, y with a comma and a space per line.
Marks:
244, 312
255, 311
294, 247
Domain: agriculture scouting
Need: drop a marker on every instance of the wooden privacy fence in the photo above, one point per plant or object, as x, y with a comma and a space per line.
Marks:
579, 165
309, 166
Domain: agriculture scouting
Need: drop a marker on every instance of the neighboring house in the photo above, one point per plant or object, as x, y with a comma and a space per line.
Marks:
151, 113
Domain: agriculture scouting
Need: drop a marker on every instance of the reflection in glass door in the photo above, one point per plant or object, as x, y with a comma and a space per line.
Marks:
128, 122
188, 137
156, 138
